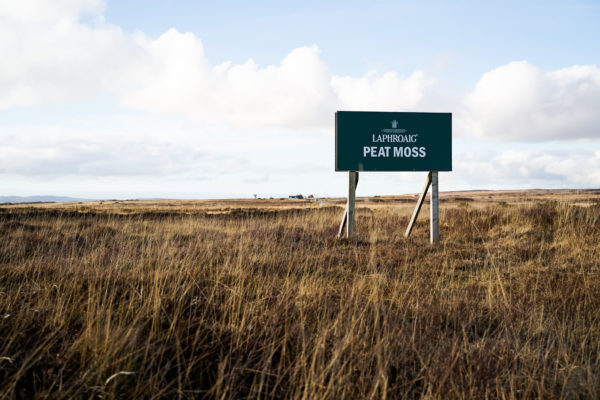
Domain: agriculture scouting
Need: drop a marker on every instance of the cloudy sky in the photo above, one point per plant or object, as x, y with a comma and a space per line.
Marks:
197, 99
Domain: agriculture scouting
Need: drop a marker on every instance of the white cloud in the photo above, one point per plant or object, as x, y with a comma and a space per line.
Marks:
387, 92
52, 57
567, 168
56, 150
520, 102
175, 77
49, 57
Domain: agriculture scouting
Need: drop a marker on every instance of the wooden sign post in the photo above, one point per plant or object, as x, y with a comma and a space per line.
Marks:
434, 233
348, 220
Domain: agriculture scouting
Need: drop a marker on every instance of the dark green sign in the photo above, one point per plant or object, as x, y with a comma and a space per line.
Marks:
393, 141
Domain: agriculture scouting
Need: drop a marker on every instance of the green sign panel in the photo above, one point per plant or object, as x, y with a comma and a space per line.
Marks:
393, 141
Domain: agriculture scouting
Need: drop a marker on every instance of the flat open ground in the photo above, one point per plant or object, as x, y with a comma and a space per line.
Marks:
258, 299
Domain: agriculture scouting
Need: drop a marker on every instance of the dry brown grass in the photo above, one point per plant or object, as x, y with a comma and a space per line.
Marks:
237, 299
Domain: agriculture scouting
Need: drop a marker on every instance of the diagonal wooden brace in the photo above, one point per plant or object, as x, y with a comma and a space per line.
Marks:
419, 204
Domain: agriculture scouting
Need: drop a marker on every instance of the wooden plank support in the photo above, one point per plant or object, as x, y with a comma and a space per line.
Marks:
434, 209
343, 224
350, 224
415, 213
349, 213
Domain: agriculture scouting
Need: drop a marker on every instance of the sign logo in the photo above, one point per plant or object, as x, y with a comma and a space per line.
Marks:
394, 128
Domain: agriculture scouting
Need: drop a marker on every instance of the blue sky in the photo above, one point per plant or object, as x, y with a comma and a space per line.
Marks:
188, 99
467, 37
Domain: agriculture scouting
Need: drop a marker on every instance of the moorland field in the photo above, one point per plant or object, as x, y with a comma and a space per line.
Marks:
259, 299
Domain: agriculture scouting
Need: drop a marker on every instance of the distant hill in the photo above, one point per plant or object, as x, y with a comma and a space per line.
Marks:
39, 199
